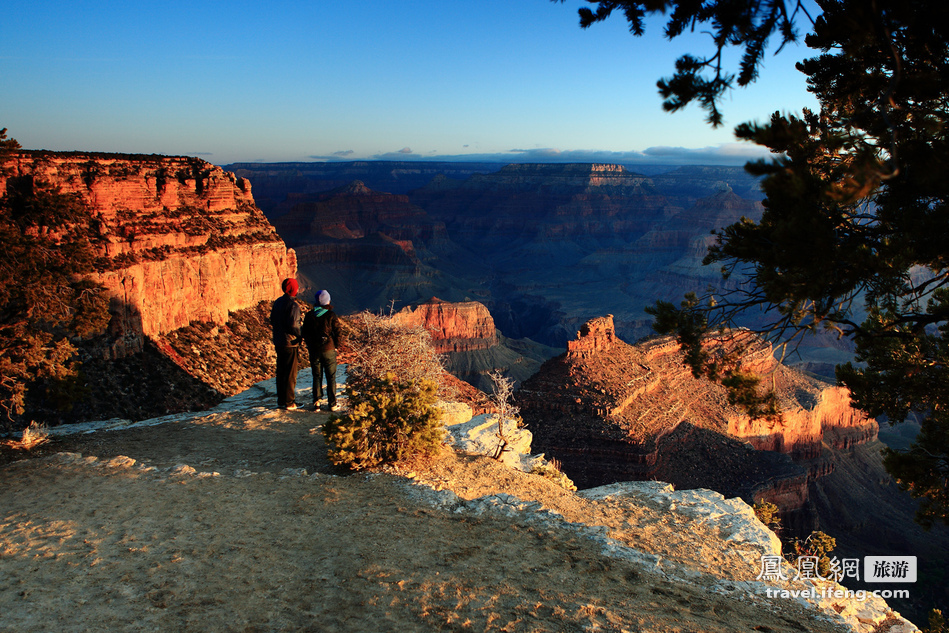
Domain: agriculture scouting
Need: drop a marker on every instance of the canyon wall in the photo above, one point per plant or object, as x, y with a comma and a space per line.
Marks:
465, 334
179, 240
455, 327
353, 212
611, 411
544, 246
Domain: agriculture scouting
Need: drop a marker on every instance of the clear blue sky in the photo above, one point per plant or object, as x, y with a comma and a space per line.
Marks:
319, 80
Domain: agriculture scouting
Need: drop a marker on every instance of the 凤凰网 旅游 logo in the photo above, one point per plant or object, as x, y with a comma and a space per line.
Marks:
870, 569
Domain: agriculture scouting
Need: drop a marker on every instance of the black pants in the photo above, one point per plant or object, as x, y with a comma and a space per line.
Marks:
324, 364
288, 363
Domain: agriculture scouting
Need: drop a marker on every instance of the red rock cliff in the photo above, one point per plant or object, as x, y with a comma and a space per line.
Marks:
614, 411
455, 327
180, 240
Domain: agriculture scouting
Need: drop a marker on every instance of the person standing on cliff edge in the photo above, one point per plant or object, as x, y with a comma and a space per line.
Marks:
321, 332
286, 320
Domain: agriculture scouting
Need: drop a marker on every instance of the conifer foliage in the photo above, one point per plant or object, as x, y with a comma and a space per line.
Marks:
47, 301
389, 421
853, 239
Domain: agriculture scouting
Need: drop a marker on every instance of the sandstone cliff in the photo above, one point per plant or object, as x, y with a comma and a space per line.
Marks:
472, 346
184, 255
612, 411
179, 239
455, 327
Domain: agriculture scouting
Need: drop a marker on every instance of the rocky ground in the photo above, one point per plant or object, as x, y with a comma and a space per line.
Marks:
233, 520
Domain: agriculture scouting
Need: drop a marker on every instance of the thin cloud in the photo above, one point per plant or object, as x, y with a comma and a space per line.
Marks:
340, 155
403, 154
730, 154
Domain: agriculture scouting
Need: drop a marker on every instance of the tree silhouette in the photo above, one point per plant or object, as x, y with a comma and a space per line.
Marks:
854, 238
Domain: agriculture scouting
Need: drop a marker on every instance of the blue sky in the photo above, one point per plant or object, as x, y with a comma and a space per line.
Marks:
318, 80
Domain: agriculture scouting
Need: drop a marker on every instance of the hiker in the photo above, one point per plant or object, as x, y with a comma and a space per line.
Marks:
285, 318
321, 332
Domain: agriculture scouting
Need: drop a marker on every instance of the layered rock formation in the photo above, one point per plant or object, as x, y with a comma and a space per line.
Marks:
184, 255
613, 412
374, 249
544, 203
353, 212
455, 327
179, 239
544, 246
465, 333
609, 411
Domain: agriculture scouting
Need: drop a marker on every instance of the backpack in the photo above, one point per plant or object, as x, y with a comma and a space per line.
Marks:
324, 334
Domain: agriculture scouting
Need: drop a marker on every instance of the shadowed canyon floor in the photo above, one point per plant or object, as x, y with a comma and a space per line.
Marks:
92, 541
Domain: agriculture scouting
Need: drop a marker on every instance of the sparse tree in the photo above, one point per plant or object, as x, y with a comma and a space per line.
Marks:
853, 239
502, 399
7, 144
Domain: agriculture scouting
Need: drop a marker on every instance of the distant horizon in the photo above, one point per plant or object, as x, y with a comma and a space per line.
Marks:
497, 159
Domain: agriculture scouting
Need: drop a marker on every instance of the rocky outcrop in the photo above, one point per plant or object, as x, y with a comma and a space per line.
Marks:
471, 345
455, 327
179, 240
596, 335
612, 411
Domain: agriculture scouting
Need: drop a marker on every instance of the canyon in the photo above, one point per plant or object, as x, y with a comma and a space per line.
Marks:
521, 258
543, 246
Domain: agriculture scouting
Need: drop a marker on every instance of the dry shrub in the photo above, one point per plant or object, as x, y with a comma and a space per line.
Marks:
553, 470
382, 346
392, 382
33, 435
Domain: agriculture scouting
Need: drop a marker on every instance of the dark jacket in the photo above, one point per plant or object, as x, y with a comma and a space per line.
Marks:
286, 320
321, 330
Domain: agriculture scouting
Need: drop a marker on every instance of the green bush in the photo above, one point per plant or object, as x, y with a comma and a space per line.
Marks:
817, 544
767, 513
389, 421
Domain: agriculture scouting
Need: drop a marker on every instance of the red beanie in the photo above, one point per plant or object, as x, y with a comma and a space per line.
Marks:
290, 286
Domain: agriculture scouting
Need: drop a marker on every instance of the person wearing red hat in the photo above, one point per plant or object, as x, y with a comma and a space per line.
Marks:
286, 320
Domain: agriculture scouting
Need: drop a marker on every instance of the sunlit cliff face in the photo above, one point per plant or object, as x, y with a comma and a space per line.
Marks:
455, 327
179, 239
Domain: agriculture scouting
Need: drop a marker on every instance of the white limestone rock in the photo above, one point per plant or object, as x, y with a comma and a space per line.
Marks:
454, 413
480, 435
734, 519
